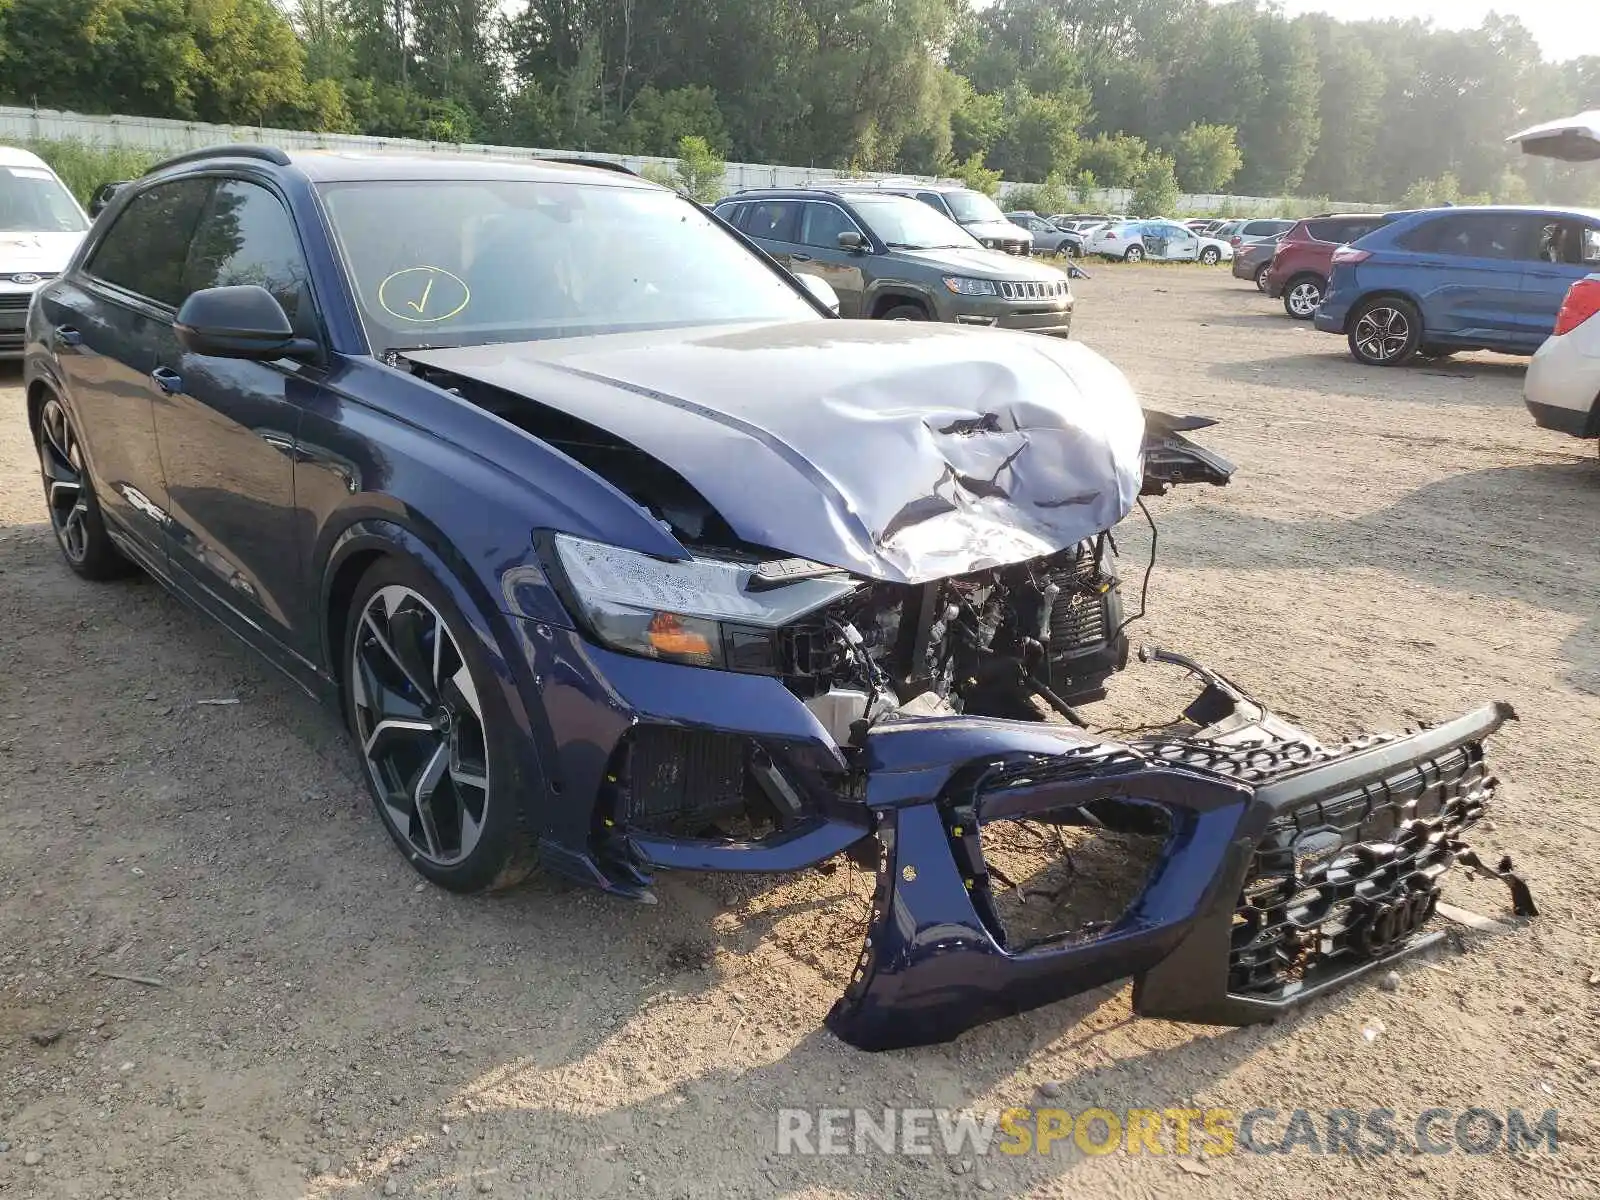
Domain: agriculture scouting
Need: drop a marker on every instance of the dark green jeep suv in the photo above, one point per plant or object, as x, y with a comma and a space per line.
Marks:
892, 257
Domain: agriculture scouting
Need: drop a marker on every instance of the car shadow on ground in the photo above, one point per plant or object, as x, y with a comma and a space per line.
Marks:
1489, 381
1531, 530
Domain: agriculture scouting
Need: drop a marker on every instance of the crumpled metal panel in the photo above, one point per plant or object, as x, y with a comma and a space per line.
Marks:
900, 451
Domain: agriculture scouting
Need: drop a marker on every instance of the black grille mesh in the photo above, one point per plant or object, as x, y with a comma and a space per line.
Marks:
683, 775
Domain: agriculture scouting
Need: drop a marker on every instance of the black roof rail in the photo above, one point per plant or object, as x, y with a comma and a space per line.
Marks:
573, 160
269, 154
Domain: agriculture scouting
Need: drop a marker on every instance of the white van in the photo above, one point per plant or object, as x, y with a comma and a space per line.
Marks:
40, 226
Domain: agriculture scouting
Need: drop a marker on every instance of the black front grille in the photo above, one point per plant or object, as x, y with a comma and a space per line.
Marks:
1350, 879
683, 775
13, 301
11, 339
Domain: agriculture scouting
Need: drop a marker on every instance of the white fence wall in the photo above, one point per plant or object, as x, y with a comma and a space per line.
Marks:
155, 133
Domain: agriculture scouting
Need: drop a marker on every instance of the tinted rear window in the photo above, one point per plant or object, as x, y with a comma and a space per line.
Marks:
1342, 230
1478, 235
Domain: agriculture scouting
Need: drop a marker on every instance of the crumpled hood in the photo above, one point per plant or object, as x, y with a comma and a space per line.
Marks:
43, 253
896, 450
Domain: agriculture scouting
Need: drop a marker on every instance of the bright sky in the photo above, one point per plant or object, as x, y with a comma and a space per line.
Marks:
1564, 28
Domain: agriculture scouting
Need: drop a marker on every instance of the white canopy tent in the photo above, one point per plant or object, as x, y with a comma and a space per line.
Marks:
1572, 139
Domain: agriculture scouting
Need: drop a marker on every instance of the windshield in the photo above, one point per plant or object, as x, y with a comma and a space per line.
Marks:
970, 207
33, 201
464, 262
902, 223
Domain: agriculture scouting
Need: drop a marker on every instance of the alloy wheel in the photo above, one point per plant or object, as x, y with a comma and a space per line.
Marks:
420, 725
1304, 298
1382, 333
61, 463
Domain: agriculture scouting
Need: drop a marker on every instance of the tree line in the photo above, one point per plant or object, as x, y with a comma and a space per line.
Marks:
1077, 94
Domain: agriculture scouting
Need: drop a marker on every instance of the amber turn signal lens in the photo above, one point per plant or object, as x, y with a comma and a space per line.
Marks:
667, 635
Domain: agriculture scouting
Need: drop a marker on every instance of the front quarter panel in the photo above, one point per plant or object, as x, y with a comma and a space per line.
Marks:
382, 446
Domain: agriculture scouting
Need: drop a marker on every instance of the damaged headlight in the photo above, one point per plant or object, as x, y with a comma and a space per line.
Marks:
703, 612
963, 285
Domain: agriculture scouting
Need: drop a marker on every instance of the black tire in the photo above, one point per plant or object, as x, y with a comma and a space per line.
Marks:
1301, 295
904, 312
1210, 256
1134, 254
388, 673
74, 509
1261, 277
1384, 331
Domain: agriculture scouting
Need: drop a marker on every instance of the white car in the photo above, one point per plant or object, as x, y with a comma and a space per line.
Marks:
1159, 241
1562, 387
40, 226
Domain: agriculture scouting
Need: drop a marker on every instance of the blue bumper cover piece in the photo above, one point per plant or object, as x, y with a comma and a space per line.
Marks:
1234, 925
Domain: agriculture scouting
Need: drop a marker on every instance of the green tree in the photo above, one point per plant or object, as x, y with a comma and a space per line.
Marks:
1206, 157
1039, 134
1083, 187
1279, 134
1155, 193
700, 170
1114, 160
978, 177
658, 121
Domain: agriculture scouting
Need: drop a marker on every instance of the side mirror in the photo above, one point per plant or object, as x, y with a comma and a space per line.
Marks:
244, 321
104, 197
821, 290
852, 241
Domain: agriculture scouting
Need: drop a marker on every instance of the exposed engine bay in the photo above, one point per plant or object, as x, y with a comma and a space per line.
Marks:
1230, 861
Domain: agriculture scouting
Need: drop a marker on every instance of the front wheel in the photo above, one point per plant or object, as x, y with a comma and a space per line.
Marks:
434, 731
904, 312
1210, 256
1301, 297
69, 495
1385, 331
1134, 254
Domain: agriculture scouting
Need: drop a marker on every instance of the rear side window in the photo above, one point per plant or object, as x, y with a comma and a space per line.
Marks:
1479, 235
932, 200
1341, 231
773, 220
145, 250
1569, 242
733, 214
246, 236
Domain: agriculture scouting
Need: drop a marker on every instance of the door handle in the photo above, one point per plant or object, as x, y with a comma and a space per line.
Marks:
799, 257
66, 335
168, 381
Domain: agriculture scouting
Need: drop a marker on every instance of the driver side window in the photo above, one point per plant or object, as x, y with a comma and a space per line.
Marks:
247, 237
823, 224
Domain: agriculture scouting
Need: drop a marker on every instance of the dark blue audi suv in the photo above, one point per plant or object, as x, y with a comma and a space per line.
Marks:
620, 553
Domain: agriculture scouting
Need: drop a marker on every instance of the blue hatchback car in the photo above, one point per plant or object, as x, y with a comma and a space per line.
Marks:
1447, 279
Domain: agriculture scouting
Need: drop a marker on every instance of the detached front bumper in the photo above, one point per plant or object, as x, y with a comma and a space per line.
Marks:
1288, 868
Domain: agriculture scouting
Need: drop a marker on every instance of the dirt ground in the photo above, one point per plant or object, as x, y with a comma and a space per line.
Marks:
1397, 545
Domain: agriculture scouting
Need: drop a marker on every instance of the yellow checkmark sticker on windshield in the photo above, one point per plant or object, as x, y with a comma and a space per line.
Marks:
423, 295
